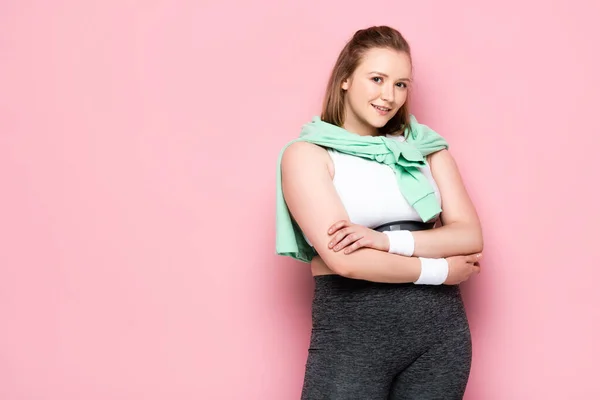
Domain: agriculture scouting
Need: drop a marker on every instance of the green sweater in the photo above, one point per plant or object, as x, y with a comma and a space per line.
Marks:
405, 158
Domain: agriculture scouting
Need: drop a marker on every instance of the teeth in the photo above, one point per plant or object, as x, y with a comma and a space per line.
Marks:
382, 108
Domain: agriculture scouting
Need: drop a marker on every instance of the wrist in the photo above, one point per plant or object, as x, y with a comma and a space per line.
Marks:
401, 242
385, 241
416, 268
434, 271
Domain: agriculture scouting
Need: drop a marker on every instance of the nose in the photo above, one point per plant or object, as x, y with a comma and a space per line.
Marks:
387, 93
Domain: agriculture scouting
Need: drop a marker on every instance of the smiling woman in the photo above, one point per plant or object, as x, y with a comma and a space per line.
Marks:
374, 69
366, 178
385, 92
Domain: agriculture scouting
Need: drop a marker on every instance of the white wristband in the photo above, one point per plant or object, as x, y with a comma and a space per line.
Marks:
401, 242
434, 271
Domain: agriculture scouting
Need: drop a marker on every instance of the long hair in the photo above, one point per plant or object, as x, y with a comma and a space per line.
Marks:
347, 62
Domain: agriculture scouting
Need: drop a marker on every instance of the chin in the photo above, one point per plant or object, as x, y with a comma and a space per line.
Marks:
379, 123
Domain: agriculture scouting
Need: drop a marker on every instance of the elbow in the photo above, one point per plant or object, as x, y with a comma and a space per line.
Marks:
473, 238
478, 243
343, 268
471, 241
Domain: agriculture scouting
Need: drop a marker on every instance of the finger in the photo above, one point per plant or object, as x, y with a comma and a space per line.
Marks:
348, 240
338, 225
355, 246
341, 234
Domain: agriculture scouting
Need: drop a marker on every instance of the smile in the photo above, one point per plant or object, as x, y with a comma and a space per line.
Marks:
381, 110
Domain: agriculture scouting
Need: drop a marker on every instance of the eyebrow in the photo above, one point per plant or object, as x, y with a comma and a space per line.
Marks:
387, 76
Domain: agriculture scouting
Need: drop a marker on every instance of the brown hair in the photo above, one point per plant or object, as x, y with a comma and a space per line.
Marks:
347, 62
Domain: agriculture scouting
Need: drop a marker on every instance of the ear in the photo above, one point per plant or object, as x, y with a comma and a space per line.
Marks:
345, 84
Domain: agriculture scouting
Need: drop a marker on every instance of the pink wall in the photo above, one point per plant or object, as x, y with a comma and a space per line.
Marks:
137, 258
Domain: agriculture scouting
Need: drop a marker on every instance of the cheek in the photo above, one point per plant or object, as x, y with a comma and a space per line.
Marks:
372, 92
365, 92
402, 96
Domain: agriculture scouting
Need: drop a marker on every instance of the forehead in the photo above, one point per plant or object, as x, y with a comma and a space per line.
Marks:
394, 63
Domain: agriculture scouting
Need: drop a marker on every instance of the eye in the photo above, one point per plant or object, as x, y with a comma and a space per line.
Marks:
402, 84
375, 79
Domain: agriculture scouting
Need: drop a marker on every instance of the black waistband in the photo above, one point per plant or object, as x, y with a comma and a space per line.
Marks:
405, 226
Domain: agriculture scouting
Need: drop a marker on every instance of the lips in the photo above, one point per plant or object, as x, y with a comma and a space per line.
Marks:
381, 110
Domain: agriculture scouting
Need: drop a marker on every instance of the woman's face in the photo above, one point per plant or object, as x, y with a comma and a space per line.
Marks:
376, 90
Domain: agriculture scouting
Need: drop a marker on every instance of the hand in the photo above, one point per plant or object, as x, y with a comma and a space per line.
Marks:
350, 237
461, 268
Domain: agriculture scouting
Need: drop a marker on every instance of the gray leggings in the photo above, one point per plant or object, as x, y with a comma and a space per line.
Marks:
379, 341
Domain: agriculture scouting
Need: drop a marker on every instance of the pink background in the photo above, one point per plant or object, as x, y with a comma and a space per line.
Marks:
138, 142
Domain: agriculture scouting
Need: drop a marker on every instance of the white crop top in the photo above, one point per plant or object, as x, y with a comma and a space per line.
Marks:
369, 190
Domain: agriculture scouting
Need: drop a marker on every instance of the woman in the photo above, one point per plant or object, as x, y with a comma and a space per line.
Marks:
359, 194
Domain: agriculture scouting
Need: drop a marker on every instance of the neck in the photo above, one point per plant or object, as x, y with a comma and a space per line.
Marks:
353, 125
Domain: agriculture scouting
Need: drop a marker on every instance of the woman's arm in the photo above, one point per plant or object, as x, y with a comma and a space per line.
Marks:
460, 232
315, 205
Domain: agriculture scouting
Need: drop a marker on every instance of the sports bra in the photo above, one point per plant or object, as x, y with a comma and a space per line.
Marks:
369, 190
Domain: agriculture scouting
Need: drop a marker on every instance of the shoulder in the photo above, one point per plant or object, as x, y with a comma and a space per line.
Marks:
301, 150
305, 156
440, 157
443, 165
